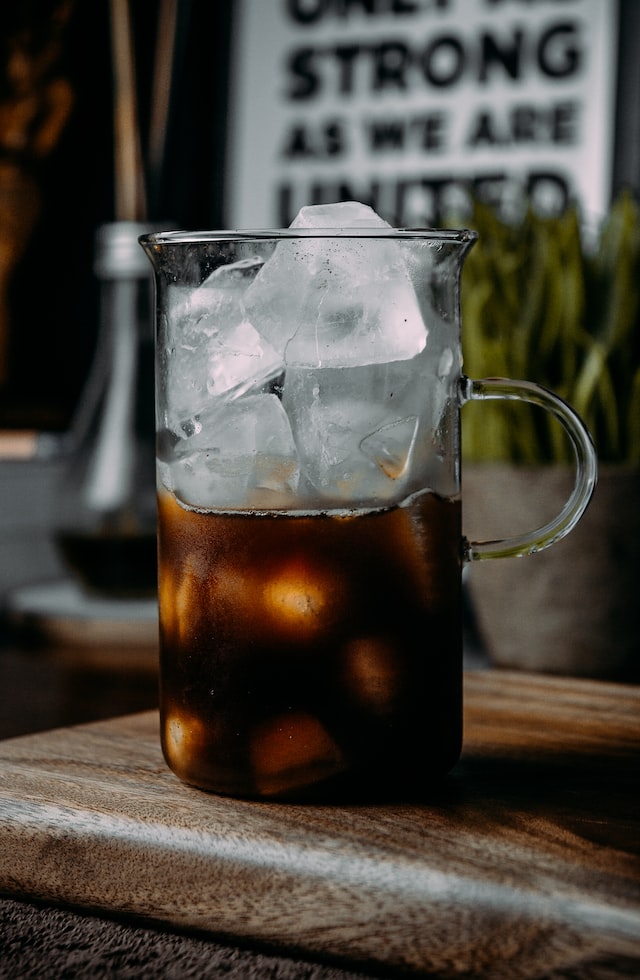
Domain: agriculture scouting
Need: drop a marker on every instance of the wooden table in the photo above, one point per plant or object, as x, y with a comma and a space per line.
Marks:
524, 864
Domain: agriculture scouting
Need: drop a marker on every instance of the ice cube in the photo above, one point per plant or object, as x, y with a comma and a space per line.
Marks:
239, 359
346, 214
241, 454
391, 446
236, 275
356, 430
337, 300
213, 349
291, 751
372, 673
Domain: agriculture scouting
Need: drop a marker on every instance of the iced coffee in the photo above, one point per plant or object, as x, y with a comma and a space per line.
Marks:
309, 518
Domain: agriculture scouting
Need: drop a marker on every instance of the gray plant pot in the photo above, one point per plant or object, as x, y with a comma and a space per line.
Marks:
573, 609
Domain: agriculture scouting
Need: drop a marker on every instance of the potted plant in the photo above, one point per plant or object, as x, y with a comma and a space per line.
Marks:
547, 300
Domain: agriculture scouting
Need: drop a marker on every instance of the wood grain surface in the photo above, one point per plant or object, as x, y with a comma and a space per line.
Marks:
524, 863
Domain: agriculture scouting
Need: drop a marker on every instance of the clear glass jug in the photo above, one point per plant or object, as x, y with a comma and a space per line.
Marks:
308, 392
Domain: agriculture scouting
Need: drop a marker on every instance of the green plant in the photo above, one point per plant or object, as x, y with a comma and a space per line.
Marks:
542, 303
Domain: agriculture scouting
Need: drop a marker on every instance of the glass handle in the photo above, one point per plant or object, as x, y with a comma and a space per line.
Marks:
585, 459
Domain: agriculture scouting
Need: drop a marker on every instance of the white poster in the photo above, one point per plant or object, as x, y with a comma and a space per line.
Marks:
407, 104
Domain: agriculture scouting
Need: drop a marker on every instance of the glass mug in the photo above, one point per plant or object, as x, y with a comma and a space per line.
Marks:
308, 394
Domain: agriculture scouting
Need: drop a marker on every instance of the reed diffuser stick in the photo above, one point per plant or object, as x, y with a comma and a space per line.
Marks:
130, 203
164, 65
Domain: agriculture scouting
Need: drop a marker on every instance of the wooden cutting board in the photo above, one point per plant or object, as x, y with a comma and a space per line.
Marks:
526, 861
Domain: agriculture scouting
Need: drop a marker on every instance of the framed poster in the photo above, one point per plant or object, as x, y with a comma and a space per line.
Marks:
408, 104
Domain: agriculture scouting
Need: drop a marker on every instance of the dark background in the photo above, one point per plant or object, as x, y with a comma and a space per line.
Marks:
54, 293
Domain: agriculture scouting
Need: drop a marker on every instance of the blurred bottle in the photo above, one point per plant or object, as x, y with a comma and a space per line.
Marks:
105, 511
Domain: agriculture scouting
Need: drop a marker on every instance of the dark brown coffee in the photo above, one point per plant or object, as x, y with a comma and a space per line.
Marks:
302, 651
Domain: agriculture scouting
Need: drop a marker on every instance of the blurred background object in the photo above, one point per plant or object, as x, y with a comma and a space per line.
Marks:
411, 107
181, 74
36, 103
104, 510
559, 301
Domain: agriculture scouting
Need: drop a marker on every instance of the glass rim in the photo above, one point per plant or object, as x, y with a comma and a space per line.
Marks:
462, 236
